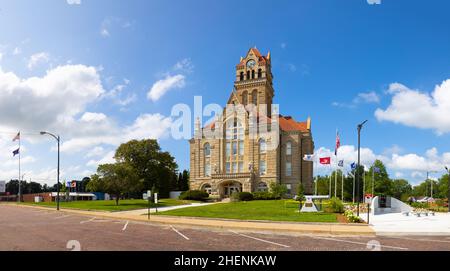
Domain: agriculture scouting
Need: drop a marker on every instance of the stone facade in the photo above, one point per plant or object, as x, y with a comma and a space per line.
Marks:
250, 144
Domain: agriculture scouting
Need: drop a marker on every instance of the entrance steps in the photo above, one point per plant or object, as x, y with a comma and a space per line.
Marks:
226, 200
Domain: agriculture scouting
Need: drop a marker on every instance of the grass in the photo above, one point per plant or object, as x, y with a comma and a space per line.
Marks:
110, 205
274, 210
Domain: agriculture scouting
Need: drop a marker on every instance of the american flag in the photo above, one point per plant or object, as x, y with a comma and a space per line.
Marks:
338, 143
17, 137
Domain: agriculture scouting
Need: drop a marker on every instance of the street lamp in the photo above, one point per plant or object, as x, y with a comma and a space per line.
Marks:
57, 186
448, 191
357, 169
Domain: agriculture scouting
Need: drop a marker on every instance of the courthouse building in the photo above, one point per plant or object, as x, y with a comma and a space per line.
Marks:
247, 149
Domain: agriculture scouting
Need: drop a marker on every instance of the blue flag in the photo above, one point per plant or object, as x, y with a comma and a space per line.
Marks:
353, 165
16, 152
341, 163
376, 169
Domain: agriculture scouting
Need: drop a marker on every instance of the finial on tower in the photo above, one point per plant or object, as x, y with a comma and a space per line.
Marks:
241, 59
308, 123
268, 55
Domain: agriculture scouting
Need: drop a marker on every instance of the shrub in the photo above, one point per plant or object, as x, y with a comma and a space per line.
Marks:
194, 195
352, 217
336, 205
278, 190
245, 196
263, 196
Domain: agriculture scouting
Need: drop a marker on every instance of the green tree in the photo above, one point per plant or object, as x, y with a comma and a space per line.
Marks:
401, 189
301, 192
442, 187
118, 179
153, 166
383, 184
183, 184
278, 190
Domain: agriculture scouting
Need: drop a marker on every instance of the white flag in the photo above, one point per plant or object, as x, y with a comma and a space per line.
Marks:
309, 157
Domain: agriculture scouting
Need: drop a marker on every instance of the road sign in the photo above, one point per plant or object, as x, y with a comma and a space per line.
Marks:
2, 186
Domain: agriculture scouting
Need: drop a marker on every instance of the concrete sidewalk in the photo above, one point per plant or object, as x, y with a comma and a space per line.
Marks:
161, 209
267, 226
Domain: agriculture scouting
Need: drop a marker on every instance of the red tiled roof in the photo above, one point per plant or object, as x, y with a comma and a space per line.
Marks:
256, 52
287, 123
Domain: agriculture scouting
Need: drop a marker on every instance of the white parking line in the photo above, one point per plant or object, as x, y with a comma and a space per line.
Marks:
62, 216
354, 242
92, 219
125, 227
262, 240
418, 239
182, 235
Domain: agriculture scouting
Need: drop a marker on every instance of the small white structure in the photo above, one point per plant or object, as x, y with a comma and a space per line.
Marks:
309, 205
387, 205
174, 194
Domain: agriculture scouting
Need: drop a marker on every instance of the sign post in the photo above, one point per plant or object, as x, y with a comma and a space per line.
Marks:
149, 196
156, 202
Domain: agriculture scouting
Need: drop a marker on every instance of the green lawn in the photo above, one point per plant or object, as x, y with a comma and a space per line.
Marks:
110, 205
275, 210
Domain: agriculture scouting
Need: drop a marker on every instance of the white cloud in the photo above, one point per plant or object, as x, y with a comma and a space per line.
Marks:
149, 126
374, 2
113, 23
162, 86
74, 2
95, 152
419, 109
363, 97
184, 65
93, 117
38, 58
367, 97
107, 159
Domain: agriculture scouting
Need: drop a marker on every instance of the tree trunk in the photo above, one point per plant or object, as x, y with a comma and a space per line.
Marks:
117, 200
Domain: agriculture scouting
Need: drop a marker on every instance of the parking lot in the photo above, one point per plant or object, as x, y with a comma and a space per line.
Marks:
29, 229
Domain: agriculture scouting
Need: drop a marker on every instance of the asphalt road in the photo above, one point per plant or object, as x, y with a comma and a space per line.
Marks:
27, 229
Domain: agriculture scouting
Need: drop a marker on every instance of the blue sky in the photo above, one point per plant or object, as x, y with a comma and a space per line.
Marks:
84, 69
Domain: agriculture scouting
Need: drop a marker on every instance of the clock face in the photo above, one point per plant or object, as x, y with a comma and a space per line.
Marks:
251, 63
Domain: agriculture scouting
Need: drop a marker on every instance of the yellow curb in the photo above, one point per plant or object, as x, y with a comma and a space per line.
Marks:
304, 228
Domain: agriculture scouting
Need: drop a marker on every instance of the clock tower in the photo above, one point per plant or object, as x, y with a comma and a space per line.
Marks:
253, 82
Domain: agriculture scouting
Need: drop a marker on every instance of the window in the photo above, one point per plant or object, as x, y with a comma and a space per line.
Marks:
208, 170
259, 73
262, 187
207, 188
244, 97
289, 189
288, 148
262, 167
253, 74
228, 167
241, 77
262, 146
248, 75
241, 147
255, 97
207, 150
234, 146
288, 169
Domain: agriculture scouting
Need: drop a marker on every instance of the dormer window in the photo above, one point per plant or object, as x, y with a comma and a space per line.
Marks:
253, 74
241, 77
259, 73
248, 75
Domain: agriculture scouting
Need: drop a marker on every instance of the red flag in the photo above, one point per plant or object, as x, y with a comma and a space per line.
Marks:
325, 160
338, 143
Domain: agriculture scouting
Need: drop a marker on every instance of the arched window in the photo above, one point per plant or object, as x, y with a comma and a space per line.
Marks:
241, 77
255, 97
288, 169
262, 146
259, 73
207, 159
234, 135
244, 97
288, 148
253, 74
262, 187
248, 75
207, 150
207, 188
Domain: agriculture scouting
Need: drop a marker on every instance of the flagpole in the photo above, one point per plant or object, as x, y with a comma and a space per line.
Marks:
373, 180
20, 186
364, 181
329, 189
316, 186
342, 185
354, 187
335, 179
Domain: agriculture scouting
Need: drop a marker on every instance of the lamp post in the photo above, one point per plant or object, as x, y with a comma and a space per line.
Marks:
359, 127
57, 186
448, 191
